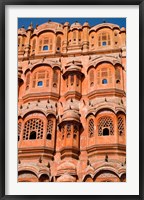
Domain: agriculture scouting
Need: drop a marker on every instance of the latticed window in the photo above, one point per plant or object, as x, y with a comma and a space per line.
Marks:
40, 78
45, 44
105, 126
75, 131
40, 45
120, 125
58, 43
34, 44
104, 39
91, 78
55, 78
33, 129
91, 128
27, 81
117, 74
68, 130
104, 75
19, 130
49, 129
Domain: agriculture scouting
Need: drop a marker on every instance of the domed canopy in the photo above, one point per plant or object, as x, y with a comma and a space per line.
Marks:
86, 24
66, 167
71, 115
66, 178
22, 31
123, 29
104, 25
76, 25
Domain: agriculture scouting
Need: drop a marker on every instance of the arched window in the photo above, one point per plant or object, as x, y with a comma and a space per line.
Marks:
75, 132
49, 129
58, 43
104, 81
74, 36
40, 45
105, 131
104, 39
68, 130
91, 78
55, 78
45, 48
40, 83
105, 126
27, 81
117, 75
120, 125
91, 128
34, 44
33, 129
32, 135
72, 79
19, 130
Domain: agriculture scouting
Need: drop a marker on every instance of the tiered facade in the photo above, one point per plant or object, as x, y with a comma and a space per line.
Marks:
72, 103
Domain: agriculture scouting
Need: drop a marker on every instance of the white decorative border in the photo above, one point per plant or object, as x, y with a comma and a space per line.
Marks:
131, 187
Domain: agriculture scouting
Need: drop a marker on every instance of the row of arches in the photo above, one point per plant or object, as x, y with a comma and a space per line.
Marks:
102, 176
47, 41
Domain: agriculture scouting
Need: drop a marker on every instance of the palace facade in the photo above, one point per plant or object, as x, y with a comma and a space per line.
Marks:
72, 103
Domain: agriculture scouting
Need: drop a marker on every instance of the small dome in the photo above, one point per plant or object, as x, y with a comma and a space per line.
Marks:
66, 24
66, 167
123, 29
70, 115
86, 24
66, 178
76, 25
21, 31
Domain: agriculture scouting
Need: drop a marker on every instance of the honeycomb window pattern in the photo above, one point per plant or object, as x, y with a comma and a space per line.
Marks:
31, 125
49, 129
105, 122
91, 127
120, 126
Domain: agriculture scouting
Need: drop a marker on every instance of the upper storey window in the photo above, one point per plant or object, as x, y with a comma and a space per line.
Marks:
40, 79
104, 39
45, 48
58, 43
104, 76
45, 44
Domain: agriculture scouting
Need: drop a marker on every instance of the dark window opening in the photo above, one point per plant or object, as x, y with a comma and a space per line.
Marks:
58, 49
103, 43
117, 81
68, 135
32, 135
18, 137
45, 48
40, 83
49, 136
54, 85
104, 81
75, 136
105, 131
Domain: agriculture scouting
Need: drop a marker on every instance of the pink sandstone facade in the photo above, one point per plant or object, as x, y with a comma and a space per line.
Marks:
72, 103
